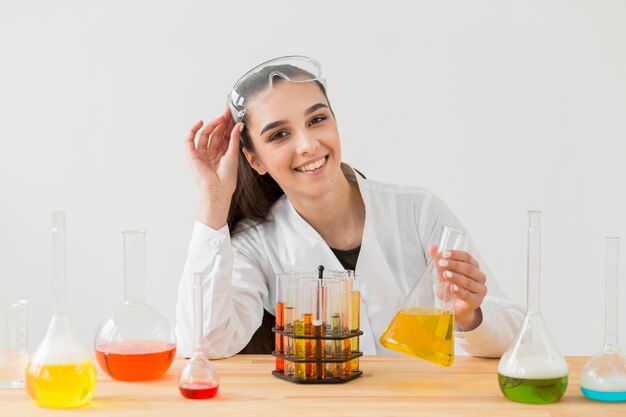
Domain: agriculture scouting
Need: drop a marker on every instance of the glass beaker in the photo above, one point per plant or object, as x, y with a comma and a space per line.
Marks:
603, 378
198, 379
531, 370
136, 343
424, 326
13, 343
60, 373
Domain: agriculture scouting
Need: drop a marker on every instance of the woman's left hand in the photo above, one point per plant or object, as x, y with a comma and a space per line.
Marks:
461, 272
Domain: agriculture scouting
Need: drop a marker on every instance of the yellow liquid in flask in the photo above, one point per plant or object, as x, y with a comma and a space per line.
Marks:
427, 333
61, 386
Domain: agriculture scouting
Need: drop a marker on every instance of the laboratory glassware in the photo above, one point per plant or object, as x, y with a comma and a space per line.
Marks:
354, 318
60, 373
424, 325
13, 343
603, 378
531, 370
198, 379
137, 343
318, 335
279, 342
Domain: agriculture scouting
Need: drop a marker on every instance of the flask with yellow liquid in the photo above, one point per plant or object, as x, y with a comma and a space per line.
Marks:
424, 326
60, 373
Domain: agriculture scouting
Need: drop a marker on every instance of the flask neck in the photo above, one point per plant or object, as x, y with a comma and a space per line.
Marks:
58, 260
198, 322
451, 239
612, 292
534, 263
134, 266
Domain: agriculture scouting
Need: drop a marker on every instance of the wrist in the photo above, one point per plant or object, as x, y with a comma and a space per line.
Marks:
469, 321
213, 209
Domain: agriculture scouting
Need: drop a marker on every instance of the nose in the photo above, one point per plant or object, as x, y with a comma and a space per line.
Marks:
306, 142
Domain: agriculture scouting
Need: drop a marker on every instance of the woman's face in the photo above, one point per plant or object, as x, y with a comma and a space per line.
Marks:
295, 139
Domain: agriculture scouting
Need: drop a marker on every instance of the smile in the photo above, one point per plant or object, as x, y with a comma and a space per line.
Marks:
313, 166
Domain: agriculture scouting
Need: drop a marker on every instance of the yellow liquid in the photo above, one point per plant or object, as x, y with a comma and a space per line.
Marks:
61, 386
427, 333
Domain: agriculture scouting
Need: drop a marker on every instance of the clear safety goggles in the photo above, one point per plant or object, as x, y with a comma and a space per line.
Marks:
257, 82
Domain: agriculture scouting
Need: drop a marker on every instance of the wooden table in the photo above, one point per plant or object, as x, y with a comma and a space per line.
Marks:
390, 386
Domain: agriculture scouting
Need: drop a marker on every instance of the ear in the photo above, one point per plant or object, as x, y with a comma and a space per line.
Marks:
254, 162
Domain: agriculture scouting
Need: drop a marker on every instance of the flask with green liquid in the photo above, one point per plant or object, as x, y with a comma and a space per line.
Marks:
531, 370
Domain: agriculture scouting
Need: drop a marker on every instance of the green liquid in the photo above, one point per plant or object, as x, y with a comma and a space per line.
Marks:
532, 391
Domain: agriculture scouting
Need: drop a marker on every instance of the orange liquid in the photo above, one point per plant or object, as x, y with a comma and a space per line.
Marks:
279, 343
135, 360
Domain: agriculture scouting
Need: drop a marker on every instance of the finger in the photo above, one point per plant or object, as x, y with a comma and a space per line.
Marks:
228, 130
228, 116
460, 255
465, 282
205, 133
217, 137
233, 144
462, 293
432, 251
462, 268
191, 136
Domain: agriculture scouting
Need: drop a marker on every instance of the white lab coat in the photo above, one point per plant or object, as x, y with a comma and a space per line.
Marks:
400, 225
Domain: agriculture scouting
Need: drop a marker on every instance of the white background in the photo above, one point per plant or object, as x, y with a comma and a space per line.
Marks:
497, 106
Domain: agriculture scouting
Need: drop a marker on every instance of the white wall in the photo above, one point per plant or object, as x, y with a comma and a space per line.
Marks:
497, 106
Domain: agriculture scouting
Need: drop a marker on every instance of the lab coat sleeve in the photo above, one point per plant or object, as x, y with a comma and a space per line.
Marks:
234, 285
501, 317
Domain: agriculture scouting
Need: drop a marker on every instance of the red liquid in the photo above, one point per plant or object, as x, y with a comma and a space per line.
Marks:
135, 360
198, 391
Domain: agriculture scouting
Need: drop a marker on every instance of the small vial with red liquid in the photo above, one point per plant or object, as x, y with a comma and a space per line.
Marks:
198, 379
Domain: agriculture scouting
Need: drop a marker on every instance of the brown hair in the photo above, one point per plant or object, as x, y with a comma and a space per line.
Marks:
255, 194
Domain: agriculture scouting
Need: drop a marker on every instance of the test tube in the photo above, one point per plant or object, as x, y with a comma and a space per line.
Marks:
336, 311
280, 320
319, 329
355, 318
310, 288
345, 324
290, 311
300, 348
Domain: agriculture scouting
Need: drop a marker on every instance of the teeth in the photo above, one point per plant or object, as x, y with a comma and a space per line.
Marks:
312, 166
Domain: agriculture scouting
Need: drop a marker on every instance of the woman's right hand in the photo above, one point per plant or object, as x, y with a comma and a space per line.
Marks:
214, 161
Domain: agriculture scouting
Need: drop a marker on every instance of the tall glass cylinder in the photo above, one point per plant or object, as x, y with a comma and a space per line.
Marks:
603, 378
532, 370
136, 343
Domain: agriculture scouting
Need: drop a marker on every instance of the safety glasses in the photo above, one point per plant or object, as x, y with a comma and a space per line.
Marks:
257, 82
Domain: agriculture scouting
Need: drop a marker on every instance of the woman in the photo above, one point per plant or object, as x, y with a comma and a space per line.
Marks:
274, 197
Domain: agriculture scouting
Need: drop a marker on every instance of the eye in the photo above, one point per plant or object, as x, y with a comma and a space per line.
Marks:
278, 135
316, 120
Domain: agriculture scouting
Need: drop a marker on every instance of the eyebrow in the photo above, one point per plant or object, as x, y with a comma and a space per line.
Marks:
283, 122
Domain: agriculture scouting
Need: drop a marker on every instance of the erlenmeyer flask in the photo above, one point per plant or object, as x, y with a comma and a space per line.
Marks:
603, 377
61, 373
137, 343
424, 326
531, 370
198, 379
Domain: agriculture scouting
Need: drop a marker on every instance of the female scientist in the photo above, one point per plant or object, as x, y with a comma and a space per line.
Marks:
275, 197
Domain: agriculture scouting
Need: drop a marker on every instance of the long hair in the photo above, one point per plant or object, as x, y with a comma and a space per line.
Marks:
255, 194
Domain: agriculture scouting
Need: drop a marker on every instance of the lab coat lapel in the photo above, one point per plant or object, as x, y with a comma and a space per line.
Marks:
375, 277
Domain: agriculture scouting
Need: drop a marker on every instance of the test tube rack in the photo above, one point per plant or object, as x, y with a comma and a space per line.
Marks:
339, 365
